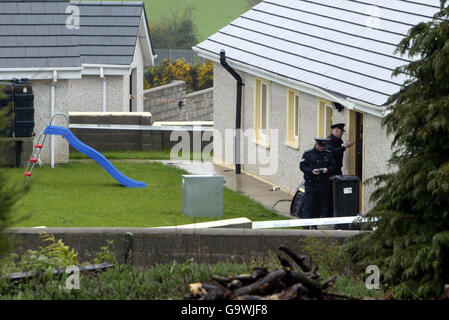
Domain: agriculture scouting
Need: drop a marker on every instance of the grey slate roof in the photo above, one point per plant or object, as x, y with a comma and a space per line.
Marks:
33, 33
335, 45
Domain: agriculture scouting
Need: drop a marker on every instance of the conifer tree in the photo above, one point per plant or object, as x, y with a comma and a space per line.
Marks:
411, 241
9, 193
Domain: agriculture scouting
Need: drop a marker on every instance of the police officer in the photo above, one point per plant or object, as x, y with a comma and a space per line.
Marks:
337, 148
336, 145
318, 164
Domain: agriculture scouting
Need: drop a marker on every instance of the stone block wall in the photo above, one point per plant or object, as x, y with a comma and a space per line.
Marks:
150, 246
111, 139
163, 103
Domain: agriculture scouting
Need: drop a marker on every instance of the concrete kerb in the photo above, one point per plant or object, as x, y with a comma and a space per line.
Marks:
164, 245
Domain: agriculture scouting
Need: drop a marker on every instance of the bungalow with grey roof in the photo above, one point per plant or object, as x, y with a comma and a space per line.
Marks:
305, 65
79, 56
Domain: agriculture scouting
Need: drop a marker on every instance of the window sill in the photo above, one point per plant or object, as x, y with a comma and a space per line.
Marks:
292, 144
263, 143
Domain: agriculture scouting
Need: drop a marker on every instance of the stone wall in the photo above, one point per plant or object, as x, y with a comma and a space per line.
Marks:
163, 103
110, 139
149, 246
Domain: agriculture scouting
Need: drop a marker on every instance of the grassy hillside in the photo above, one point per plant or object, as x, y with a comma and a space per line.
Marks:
209, 15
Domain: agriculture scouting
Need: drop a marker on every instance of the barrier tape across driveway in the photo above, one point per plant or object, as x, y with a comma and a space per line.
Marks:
308, 222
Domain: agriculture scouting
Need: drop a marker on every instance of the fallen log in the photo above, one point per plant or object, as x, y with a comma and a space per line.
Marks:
329, 283
265, 285
314, 287
302, 261
235, 284
282, 284
245, 279
289, 294
221, 280
218, 293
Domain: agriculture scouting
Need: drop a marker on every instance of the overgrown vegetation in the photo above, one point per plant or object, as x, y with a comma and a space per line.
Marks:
9, 193
333, 259
163, 281
411, 241
54, 255
197, 76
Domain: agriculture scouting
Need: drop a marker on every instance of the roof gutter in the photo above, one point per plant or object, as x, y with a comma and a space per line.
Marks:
35, 73
64, 72
108, 69
238, 109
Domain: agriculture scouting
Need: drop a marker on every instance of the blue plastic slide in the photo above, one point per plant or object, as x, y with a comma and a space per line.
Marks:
94, 154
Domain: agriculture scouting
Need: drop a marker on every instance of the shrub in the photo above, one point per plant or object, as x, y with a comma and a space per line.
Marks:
54, 255
197, 76
411, 241
9, 193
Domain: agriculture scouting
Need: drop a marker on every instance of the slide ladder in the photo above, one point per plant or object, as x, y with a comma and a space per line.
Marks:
81, 147
37, 148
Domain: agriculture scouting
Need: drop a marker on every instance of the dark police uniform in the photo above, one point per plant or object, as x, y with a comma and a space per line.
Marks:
335, 146
317, 195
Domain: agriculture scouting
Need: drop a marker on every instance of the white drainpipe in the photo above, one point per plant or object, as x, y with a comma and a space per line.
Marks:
104, 88
52, 112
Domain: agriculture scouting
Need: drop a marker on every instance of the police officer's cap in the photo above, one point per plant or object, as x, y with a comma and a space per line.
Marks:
340, 126
322, 142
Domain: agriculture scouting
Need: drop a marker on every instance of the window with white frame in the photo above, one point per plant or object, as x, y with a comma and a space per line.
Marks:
296, 118
325, 118
293, 115
262, 107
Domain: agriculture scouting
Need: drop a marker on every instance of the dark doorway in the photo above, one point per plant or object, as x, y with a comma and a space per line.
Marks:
133, 90
359, 154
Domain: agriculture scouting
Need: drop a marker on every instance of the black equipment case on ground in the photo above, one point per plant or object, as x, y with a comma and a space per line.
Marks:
18, 97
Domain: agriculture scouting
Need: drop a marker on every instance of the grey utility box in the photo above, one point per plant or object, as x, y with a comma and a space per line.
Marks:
202, 195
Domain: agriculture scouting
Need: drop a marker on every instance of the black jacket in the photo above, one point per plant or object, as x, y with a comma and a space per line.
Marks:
314, 159
335, 146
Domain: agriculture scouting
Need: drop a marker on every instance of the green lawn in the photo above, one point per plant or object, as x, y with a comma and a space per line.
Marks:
84, 195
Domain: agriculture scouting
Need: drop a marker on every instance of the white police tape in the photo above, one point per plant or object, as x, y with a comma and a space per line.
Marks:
308, 222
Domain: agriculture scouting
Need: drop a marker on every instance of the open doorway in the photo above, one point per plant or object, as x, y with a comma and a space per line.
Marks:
356, 154
133, 90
